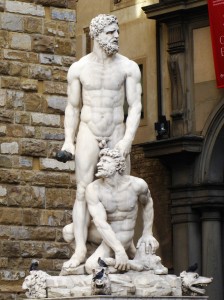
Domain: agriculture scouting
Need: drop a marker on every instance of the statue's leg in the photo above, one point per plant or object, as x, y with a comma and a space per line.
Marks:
68, 234
131, 251
102, 251
86, 158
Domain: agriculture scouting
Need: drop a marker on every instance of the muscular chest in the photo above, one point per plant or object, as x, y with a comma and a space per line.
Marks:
98, 77
122, 201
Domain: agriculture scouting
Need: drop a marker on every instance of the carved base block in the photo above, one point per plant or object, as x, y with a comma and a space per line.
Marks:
129, 298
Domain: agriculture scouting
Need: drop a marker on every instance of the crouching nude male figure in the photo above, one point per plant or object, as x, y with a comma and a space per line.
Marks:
100, 80
113, 204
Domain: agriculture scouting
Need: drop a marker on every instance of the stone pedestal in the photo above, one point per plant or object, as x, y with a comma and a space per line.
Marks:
129, 298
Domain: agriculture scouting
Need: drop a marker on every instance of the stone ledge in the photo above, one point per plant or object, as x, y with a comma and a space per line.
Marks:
129, 298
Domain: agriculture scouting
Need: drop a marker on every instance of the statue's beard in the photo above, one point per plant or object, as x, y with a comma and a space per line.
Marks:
110, 48
104, 173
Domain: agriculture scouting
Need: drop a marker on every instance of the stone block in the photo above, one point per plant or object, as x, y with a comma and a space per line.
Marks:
56, 250
21, 56
24, 8
52, 134
4, 68
11, 216
3, 191
33, 25
6, 116
57, 264
20, 41
64, 47
33, 147
57, 102
31, 249
10, 83
2, 5
43, 43
68, 60
45, 119
54, 165
9, 176
60, 198
15, 55
60, 73
50, 27
49, 59
42, 233
6, 275
18, 69
34, 102
15, 99
26, 196
72, 4
2, 98
59, 88
31, 217
52, 218
3, 262
22, 117
10, 148
56, 3
22, 162
5, 161
63, 14
71, 30
47, 179
12, 22
29, 131
2, 130
29, 85
14, 232
40, 72
4, 37
15, 130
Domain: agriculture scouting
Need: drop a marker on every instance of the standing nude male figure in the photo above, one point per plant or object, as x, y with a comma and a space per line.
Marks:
100, 80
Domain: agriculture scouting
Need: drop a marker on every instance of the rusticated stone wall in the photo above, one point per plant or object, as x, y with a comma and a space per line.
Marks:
37, 45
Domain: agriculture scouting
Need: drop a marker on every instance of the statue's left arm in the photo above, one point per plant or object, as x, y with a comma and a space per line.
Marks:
133, 95
148, 217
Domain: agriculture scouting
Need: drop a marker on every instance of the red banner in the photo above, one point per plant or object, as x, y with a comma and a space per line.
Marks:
216, 18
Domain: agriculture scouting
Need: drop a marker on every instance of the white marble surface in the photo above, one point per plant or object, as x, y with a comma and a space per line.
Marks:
101, 80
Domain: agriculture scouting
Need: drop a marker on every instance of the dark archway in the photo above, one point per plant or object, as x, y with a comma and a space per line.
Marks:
211, 163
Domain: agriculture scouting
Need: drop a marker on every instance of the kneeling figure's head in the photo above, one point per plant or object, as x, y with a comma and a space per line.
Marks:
110, 162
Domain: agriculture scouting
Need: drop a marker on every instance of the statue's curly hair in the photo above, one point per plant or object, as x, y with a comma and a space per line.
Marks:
99, 22
116, 155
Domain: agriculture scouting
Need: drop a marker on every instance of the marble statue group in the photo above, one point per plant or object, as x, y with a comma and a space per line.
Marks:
107, 198
101, 80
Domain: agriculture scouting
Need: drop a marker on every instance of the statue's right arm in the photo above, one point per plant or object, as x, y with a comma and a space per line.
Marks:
72, 109
99, 215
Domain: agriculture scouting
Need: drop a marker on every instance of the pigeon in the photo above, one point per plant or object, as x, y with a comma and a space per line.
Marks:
102, 263
192, 268
34, 265
99, 275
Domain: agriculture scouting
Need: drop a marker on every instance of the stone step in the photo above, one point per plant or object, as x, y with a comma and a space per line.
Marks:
129, 298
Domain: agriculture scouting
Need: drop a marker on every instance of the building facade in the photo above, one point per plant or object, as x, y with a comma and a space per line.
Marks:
194, 149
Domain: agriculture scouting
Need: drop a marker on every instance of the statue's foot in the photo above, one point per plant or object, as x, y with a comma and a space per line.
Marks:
161, 271
72, 265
